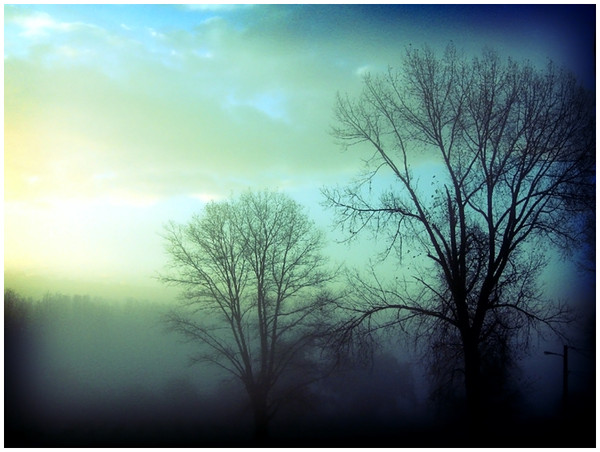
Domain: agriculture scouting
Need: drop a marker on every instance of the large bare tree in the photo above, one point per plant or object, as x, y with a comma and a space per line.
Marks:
252, 275
510, 149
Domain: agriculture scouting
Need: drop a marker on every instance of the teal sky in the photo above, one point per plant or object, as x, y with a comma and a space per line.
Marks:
119, 118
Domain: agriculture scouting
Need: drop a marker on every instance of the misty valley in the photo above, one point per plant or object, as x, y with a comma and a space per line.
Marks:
86, 372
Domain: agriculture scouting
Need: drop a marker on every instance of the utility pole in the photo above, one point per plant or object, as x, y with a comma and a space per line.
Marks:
565, 357
565, 376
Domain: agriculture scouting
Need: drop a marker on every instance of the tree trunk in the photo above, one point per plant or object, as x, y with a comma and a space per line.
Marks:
261, 419
472, 379
261, 431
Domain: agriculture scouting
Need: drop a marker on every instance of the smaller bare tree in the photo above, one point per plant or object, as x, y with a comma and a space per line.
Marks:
253, 280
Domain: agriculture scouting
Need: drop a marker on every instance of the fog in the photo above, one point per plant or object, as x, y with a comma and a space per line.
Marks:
85, 372
120, 119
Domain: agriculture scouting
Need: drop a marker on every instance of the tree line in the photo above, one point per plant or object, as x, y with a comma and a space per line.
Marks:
82, 371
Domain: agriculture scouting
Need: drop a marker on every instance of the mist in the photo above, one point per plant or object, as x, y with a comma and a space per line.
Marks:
299, 225
81, 371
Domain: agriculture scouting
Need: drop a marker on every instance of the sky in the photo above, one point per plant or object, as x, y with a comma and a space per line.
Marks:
120, 118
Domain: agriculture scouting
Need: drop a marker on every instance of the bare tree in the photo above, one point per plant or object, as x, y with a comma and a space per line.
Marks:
253, 276
511, 150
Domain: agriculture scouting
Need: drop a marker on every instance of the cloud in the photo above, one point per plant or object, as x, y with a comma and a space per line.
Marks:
271, 103
206, 197
40, 24
168, 120
219, 7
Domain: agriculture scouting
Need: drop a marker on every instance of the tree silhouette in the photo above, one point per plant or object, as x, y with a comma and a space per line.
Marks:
252, 273
18, 340
511, 152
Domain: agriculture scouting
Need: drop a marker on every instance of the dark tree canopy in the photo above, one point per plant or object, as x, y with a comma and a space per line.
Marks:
252, 273
512, 147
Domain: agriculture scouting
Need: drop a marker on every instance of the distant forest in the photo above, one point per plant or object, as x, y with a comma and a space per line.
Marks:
81, 371
84, 372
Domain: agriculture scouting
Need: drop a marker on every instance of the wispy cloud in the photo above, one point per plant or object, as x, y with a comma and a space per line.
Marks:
40, 24
214, 98
220, 7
